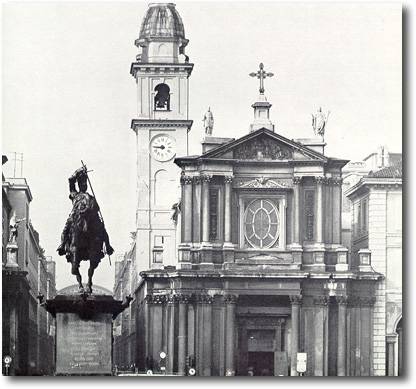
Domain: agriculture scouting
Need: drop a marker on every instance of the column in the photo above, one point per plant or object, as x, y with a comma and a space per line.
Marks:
342, 335
296, 208
147, 332
391, 341
227, 209
278, 335
171, 308
230, 301
204, 357
321, 337
295, 301
186, 181
205, 207
182, 337
156, 321
191, 330
319, 210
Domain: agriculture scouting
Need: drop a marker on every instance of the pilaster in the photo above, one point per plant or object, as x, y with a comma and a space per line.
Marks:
206, 246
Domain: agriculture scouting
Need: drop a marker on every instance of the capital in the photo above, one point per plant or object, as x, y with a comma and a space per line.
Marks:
320, 180
204, 299
155, 299
295, 299
341, 300
230, 299
321, 300
280, 322
367, 301
206, 177
172, 299
183, 298
228, 179
297, 180
336, 181
196, 180
186, 180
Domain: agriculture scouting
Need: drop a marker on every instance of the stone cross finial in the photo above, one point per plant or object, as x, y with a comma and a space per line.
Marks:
261, 74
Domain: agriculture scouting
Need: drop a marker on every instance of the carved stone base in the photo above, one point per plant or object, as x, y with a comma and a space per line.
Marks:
83, 333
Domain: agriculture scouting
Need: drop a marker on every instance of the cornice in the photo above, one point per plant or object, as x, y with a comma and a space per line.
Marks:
137, 124
152, 67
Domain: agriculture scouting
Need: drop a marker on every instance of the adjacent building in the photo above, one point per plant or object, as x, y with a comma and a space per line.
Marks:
352, 172
377, 228
27, 327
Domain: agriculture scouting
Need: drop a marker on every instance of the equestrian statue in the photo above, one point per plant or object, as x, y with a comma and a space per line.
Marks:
84, 237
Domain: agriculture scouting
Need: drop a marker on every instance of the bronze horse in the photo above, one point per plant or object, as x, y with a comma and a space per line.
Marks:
84, 237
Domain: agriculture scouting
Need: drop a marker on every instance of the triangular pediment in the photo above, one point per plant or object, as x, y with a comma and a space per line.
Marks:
264, 145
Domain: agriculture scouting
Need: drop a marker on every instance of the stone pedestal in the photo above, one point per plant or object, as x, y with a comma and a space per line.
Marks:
11, 249
84, 333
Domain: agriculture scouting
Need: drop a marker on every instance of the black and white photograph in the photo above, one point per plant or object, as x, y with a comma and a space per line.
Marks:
208, 189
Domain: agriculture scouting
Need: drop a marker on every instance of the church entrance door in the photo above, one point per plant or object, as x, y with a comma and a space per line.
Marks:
263, 346
261, 363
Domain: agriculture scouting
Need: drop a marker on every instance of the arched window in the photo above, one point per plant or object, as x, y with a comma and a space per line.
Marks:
261, 223
162, 97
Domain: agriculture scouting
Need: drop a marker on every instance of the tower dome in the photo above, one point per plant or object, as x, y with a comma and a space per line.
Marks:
162, 35
162, 20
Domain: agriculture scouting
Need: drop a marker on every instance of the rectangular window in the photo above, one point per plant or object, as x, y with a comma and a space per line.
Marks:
213, 210
158, 248
309, 214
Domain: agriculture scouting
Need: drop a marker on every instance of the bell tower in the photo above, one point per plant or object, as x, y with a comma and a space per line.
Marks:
162, 124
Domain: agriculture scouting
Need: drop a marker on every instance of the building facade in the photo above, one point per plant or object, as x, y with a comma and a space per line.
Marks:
377, 226
27, 328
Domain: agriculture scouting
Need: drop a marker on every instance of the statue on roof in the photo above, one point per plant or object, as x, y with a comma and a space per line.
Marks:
319, 121
208, 122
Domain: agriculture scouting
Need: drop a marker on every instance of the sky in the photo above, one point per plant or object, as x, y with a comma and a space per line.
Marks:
68, 94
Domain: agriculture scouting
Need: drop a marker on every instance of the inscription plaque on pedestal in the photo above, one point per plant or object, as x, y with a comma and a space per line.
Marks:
82, 346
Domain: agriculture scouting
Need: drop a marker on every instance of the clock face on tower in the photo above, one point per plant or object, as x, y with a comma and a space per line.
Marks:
163, 148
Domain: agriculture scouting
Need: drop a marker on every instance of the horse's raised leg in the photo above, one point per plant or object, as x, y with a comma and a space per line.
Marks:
93, 266
77, 274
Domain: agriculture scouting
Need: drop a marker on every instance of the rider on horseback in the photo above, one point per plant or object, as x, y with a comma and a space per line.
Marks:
84, 236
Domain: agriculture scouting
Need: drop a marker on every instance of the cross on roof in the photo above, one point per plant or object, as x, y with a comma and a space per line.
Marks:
261, 74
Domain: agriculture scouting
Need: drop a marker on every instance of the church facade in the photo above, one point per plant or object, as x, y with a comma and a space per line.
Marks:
249, 276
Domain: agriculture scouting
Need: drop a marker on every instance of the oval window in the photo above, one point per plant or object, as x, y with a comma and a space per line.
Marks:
261, 224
